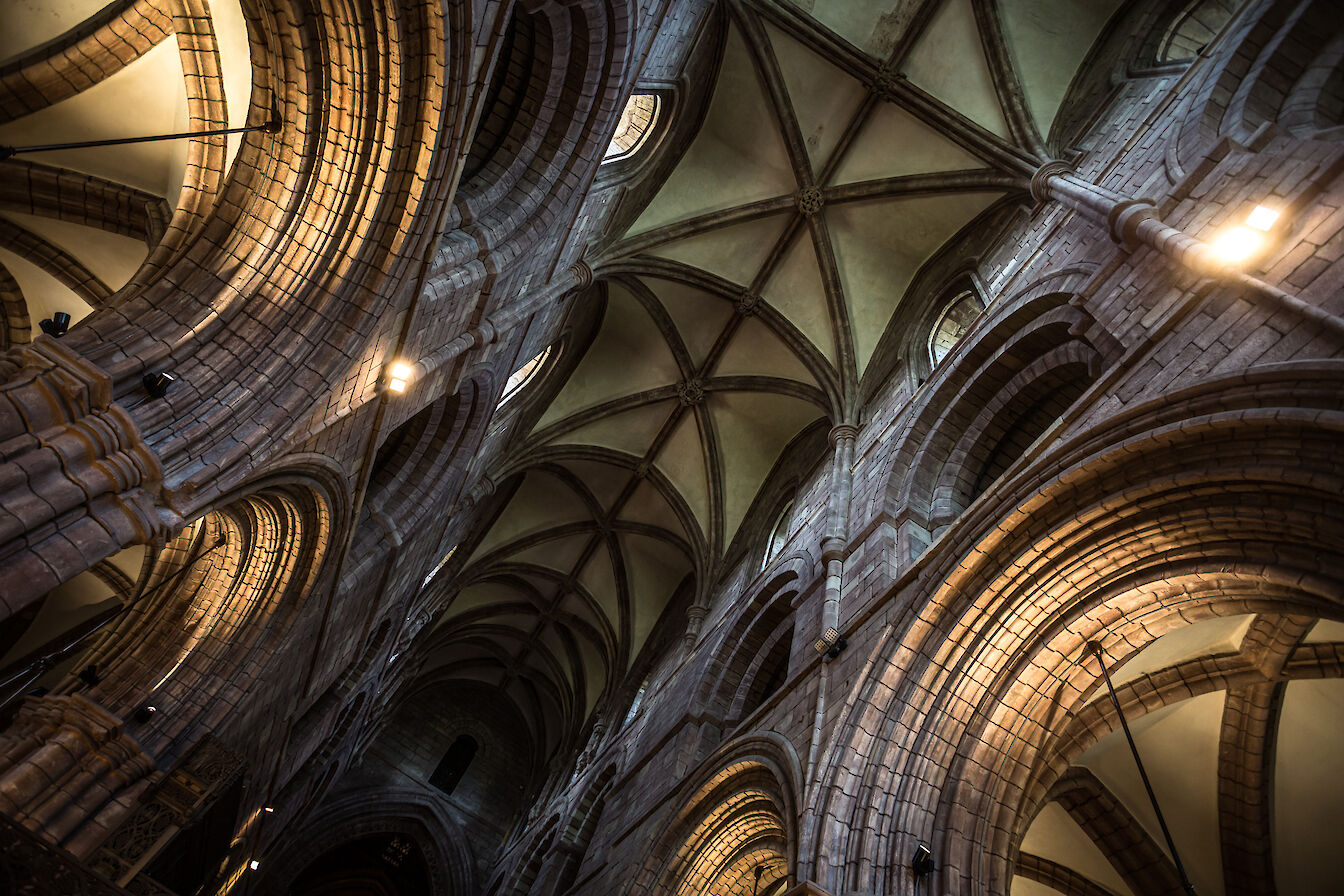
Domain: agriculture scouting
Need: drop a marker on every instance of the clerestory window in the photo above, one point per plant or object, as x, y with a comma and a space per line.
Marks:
954, 323
524, 375
636, 125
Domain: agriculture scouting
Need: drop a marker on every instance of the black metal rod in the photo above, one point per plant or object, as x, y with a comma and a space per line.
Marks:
70, 640
1095, 647
270, 127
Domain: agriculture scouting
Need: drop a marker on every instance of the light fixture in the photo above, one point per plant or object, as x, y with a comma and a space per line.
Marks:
145, 713
828, 638
1240, 242
158, 383
254, 864
398, 375
922, 863
267, 809
56, 325
838, 646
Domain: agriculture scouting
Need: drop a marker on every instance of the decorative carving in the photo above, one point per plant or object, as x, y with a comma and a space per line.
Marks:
809, 201
747, 304
691, 392
583, 274
32, 868
885, 82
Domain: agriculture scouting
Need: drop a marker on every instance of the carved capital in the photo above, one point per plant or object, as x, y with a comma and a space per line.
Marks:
81, 481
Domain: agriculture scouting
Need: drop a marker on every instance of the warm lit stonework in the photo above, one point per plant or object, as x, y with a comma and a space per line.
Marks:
671, 448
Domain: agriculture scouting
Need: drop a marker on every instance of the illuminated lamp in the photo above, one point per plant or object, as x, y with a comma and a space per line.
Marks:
398, 375
1238, 243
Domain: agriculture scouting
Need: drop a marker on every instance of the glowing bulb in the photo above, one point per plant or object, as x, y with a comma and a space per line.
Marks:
398, 375
254, 865
1262, 218
1237, 244
267, 809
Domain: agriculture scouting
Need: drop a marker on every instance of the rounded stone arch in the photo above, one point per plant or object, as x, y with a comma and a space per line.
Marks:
988, 402
1288, 57
577, 838
528, 867
238, 577
1146, 529
739, 810
15, 325
426, 454
759, 636
528, 133
355, 813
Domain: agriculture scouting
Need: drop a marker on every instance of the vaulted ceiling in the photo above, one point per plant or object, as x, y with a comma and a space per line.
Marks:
840, 148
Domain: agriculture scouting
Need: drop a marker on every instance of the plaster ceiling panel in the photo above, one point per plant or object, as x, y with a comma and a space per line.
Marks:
824, 97
1209, 637
540, 502
1179, 746
559, 554
575, 605
682, 462
1025, 886
893, 143
648, 505
482, 594
656, 569
594, 674
605, 371
42, 293
1048, 40
753, 429
1324, 631
1309, 789
549, 640
756, 351
949, 62
604, 480
874, 27
737, 157
630, 432
795, 290
146, 97
734, 253
111, 257
698, 315
31, 23
880, 246
1054, 835
599, 581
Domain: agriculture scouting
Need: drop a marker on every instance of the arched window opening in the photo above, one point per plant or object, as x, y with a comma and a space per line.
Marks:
779, 535
956, 320
636, 125
636, 703
524, 375
454, 764
438, 566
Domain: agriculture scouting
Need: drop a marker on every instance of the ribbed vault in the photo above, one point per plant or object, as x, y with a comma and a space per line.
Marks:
745, 299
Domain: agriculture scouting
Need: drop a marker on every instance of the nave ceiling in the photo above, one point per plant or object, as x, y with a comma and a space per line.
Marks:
750, 302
